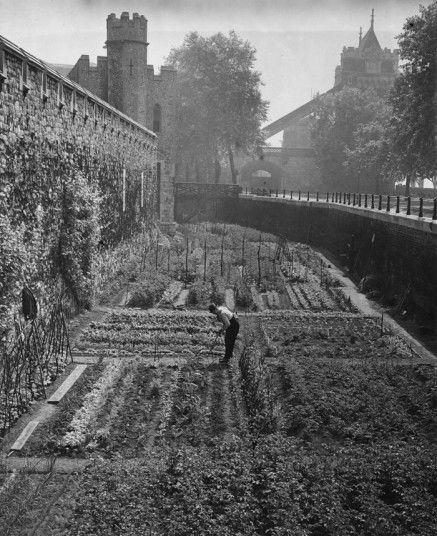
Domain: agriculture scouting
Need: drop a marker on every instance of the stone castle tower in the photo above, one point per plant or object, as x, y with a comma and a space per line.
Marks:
367, 65
127, 64
125, 80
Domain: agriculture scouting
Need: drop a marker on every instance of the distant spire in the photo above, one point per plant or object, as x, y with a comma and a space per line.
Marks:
372, 20
361, 35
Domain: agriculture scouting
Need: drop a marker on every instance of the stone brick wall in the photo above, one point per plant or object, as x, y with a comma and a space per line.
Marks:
93, 78
43, 114
127, 64
161, 90
126, 81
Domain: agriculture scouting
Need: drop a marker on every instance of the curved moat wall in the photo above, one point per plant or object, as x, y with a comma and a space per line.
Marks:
403, 255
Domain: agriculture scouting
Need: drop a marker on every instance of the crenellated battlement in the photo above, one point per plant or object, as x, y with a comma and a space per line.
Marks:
126, 28
127, 82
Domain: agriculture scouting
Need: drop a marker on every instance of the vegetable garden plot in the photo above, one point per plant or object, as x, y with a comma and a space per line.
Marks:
134, 406
309, 288
321, 434
154, 333
364, 402
37, 504
208, 262
325, 336
46, 436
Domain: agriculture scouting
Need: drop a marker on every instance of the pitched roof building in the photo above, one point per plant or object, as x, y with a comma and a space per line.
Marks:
367, 65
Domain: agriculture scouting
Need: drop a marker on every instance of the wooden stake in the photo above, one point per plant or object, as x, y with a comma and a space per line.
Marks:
124, 190
221, 255
204, 260
186, 261
242, 250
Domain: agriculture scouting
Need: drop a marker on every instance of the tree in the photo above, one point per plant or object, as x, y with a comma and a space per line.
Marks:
339, 120
412, 97
369, 163
220, 107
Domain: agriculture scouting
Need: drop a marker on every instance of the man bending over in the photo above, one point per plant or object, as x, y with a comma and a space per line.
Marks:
230, 325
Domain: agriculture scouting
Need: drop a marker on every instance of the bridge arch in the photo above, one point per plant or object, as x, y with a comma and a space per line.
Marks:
262, 174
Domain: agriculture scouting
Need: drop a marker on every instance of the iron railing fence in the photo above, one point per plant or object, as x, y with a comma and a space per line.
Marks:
395, 204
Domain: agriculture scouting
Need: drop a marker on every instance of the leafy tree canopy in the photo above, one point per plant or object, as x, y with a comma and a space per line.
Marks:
347, 124
220, 107
413, 96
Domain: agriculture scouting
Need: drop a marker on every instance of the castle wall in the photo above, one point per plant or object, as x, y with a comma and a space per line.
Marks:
93, 78
161, 90
126, 81
56, 124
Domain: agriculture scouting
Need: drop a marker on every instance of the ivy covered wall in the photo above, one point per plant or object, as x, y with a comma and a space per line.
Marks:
76, 175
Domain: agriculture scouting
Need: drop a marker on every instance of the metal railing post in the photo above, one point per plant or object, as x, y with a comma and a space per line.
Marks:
421, 207
336, 196
365, 200
317, 196
388, 204
373, 202
434, 210
380, 202
408, 206
359, 200
327, 197
332, 197
344, 198
348, 198
299, 195
291, 194
283, 195
398, 204
353, 200
308, 196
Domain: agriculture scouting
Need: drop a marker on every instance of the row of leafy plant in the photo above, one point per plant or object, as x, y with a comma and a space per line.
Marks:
276, 485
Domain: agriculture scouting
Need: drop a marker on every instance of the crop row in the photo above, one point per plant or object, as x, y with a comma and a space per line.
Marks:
352, 337
128, 407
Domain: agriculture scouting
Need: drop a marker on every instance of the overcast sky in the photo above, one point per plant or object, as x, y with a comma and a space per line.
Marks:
298, 42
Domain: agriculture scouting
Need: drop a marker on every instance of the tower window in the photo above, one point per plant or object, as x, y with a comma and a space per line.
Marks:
156, 118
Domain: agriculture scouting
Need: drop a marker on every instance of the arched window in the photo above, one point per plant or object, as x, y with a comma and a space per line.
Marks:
156, 118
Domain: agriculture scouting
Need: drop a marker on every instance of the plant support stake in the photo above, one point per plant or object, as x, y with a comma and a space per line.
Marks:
124, 190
